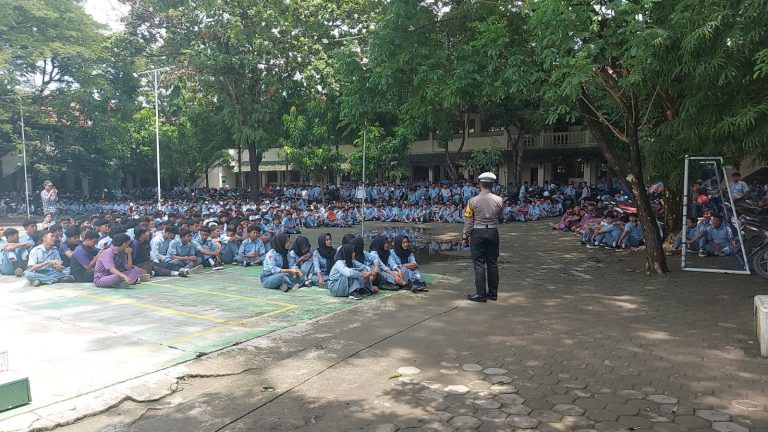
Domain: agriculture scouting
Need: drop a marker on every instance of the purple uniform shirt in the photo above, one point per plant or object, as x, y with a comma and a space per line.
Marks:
110, 259
81, 255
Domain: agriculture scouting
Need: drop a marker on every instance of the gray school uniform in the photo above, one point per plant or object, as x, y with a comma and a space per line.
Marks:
342, 280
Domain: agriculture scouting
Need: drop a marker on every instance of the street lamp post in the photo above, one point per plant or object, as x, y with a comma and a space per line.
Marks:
156, 72
24, 152
362, 224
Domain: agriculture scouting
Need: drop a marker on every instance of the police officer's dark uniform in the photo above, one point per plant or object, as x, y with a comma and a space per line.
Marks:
480, 218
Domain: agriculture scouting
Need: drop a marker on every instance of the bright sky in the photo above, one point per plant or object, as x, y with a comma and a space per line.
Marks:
107, 12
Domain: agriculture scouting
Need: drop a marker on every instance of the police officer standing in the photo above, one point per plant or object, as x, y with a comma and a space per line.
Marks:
480, 218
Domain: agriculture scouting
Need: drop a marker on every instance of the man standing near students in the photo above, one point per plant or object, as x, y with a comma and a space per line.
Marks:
49, 196
481, 215
739, 189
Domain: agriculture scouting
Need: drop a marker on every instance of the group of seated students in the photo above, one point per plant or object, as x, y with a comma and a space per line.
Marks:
598, 229
707, 236
111, 254
532, 209
347, 270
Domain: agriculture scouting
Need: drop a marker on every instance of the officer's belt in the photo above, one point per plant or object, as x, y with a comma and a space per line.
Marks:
485, 226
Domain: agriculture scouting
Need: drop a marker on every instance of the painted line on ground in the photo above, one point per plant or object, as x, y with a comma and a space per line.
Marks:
141, 305
222, 327
222, 294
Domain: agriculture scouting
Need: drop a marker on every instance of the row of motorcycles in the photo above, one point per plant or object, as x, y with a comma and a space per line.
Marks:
753, 219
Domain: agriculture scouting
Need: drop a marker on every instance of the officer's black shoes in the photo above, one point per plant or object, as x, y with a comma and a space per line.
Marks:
492, 298
477, 298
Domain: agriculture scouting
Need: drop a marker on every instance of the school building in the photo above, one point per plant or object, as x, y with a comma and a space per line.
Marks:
565, 153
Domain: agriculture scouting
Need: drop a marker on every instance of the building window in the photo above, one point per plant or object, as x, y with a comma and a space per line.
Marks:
490, 127
470, 126
271, 176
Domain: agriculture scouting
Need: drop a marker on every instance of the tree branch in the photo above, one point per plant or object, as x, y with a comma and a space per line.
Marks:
601, 118
650, 105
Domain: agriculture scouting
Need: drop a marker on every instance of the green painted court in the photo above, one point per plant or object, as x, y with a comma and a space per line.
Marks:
71, 339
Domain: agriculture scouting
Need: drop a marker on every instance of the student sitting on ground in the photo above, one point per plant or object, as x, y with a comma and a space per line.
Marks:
44, 266
252, 250
208, 249
114, 266
388, 278
29, 234
104, 228
322, 259
160, 244
608, 234
12, 253
277, 272
230, 244
84, 258
142, 255
690, 235
183, 253
719, 240
290, 224
68, 246
370, 264
570, 218
404, 262
300, 257
348, 277
633, 233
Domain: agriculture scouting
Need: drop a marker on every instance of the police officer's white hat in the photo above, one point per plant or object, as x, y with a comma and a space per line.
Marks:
487, 177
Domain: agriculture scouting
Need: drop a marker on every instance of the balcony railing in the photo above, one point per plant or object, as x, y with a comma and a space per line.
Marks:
557, 140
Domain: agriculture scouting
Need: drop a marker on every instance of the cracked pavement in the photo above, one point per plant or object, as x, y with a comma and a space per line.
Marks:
580, 340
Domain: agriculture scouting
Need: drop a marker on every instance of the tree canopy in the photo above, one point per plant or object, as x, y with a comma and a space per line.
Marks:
652, 81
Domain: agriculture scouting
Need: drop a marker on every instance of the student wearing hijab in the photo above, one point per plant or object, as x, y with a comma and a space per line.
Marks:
300, 257
370, 264
388, 278
404, 262
344, 240
277, 272
347, 277
322, 259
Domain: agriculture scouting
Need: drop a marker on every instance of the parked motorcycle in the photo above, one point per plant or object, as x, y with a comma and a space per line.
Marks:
754, 229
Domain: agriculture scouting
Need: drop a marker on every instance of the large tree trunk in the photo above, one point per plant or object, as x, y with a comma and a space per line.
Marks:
673, 210
632, 171
657, 262
517, 154
465, 133
254, 160
239, 176
449, 164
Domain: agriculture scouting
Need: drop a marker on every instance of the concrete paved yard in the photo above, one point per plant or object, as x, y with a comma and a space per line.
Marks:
72, 339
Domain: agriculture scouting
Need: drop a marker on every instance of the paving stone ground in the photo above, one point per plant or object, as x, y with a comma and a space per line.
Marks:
580, 340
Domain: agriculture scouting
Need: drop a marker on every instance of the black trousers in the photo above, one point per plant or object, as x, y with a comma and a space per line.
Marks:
485, 254
161, 269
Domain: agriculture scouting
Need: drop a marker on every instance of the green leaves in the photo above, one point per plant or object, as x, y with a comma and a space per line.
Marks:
485, 159
311, 139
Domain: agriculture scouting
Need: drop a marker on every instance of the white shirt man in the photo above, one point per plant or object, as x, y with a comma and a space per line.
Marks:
739, 189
